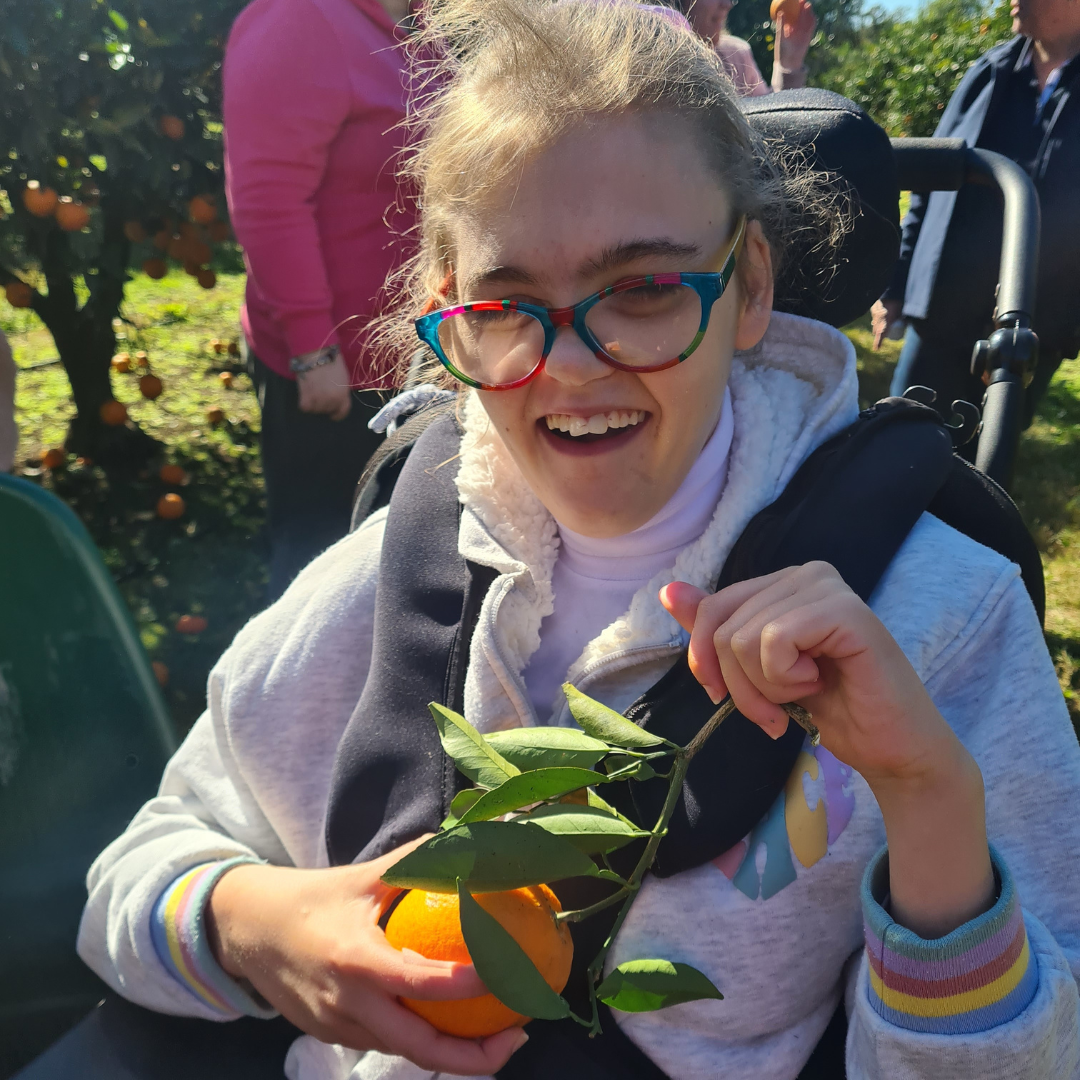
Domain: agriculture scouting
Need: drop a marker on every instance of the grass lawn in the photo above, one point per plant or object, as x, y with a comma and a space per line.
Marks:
212, 561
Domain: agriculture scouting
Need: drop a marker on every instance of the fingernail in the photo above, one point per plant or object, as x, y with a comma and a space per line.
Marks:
715, 696
522, 1039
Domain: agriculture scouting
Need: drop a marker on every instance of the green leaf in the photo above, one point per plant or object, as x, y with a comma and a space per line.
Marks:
503, 965
528, 788
594, 831
471, 752
648, 985
490, 856
459, 804
644, 770
606, 724
548, 748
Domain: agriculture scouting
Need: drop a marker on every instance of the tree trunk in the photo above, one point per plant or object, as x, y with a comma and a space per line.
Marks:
85, 341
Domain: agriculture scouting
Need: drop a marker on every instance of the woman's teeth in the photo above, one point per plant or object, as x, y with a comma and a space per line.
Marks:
597, 424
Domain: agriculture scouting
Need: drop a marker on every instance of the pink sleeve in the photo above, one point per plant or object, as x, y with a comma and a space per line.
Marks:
738, 60
286, 96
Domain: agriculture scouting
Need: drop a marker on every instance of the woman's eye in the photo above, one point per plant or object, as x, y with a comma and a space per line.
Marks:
648, 298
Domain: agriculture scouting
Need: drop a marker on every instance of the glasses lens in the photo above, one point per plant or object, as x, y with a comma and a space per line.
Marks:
646, 325
492, 347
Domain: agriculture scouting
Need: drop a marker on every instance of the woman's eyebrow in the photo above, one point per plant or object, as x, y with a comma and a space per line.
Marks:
611, 258
499, 275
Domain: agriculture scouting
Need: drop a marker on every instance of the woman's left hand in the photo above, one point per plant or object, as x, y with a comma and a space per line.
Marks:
802, 635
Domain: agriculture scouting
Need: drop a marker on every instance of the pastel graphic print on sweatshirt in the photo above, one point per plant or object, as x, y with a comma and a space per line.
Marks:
979, 976
178, 931
808, 816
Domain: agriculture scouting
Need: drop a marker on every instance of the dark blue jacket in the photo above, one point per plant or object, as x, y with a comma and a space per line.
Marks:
951, 240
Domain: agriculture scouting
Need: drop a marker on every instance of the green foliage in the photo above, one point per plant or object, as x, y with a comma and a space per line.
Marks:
647, 985
903, 71
552, 840
548, 748
504, 966
114, 104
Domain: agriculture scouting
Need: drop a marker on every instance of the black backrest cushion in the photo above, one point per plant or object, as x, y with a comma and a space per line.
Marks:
835, 135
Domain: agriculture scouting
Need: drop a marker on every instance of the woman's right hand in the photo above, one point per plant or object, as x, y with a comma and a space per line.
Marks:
310, 943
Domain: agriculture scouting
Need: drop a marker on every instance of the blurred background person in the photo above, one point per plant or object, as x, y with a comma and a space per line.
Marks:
1021, 99
313, 95
794, 32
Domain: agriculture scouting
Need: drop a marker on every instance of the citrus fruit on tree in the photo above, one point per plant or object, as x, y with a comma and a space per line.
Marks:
172, 474
201, 209
215, 415
54, 458
206, 278
18, 294
192, 269
429, 924
142, 359
170, 506
161, 239
70, 215
150, 386
790, 10
234, 348
155, 268
121, 362
172, 127
161, 672
41, 202
217, 345
113, 413
226, 378
190, 624
135, 232
219, 231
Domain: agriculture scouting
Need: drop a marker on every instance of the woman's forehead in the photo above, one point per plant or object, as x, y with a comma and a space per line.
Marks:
599, 198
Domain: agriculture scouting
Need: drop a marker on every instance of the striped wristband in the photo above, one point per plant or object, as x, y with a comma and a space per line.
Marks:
178, 930
976, 978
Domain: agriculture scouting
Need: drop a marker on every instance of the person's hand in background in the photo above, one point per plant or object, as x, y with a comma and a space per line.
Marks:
884, 316
793, 36
325, 389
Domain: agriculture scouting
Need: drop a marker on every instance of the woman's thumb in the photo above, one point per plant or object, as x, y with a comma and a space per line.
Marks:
681, 601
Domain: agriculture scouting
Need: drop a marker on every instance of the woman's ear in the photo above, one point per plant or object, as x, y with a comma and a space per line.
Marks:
755, 278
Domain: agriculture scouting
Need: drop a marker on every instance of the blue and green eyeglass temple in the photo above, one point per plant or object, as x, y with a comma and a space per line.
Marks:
709, 287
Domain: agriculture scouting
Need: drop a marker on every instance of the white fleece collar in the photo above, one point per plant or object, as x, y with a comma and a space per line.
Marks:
792, 392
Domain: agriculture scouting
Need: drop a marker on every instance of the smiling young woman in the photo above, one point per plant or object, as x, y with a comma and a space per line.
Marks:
599, 236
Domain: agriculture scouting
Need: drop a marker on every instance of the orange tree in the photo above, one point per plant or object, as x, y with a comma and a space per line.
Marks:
110, 157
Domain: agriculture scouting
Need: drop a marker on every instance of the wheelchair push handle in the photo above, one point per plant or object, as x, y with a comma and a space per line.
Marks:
1005, 361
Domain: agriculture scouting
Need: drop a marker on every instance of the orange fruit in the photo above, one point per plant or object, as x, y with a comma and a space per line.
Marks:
234, 348
172, 474
19, 294
113, 413
53, 459
192, 269
121, 362
170, 507
161, 673
155, 268
216, 345
172, 127
150, 386
201, 209
70, 215
215, 415
790, 10
179, 249
41, 202
142, 359
219, 231
226, 378
189, 624
161, 239
429, 924
206, 278
134, 231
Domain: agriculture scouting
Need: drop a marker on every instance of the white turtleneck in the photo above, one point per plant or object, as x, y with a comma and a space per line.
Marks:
594, 580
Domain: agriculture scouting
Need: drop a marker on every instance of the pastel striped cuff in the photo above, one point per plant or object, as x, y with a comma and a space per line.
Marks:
179, 935
976, 978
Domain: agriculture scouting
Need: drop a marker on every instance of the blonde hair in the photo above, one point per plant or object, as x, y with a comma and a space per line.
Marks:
504, 79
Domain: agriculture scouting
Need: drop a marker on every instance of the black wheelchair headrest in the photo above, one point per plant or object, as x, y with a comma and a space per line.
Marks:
834, 135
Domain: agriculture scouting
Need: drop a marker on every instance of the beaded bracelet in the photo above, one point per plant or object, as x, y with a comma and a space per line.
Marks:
299, 366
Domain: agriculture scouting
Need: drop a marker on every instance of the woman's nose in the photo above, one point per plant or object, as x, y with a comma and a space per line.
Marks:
571, 361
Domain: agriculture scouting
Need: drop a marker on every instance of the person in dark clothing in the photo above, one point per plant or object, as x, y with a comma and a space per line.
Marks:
1020, 99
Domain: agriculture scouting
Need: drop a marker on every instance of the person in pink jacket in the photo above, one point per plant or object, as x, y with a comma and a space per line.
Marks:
313, 95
